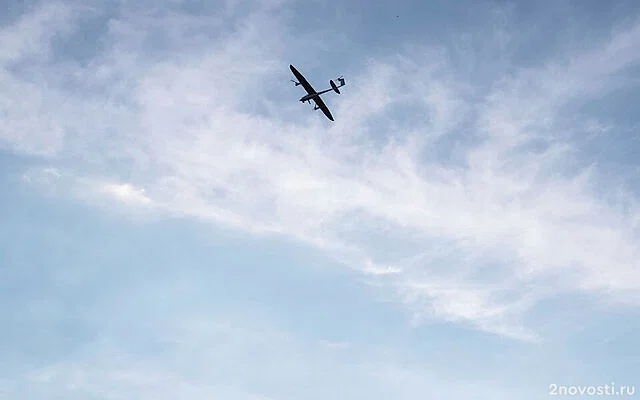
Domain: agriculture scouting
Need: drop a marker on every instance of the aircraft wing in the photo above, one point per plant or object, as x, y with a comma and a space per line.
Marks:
323, 107
302, 81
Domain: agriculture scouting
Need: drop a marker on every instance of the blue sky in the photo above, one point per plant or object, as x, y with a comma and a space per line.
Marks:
176, 224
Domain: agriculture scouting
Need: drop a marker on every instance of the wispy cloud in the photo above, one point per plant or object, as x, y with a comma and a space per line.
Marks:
126, 193
29, 38
475, 199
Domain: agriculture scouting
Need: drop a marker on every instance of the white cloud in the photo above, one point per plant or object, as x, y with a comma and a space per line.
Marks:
479, 240
27, 39
126, 192
41, 175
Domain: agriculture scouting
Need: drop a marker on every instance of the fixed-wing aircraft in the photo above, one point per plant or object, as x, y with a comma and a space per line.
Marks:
312, 94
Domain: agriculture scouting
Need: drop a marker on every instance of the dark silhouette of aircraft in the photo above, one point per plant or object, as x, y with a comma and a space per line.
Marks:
312, 94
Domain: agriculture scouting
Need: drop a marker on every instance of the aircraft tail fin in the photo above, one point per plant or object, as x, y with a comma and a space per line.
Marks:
333, 86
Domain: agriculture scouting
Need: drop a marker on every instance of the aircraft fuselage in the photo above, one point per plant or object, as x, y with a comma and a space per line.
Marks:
308, 97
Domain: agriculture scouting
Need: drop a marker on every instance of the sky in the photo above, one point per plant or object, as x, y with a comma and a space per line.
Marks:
176, 224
